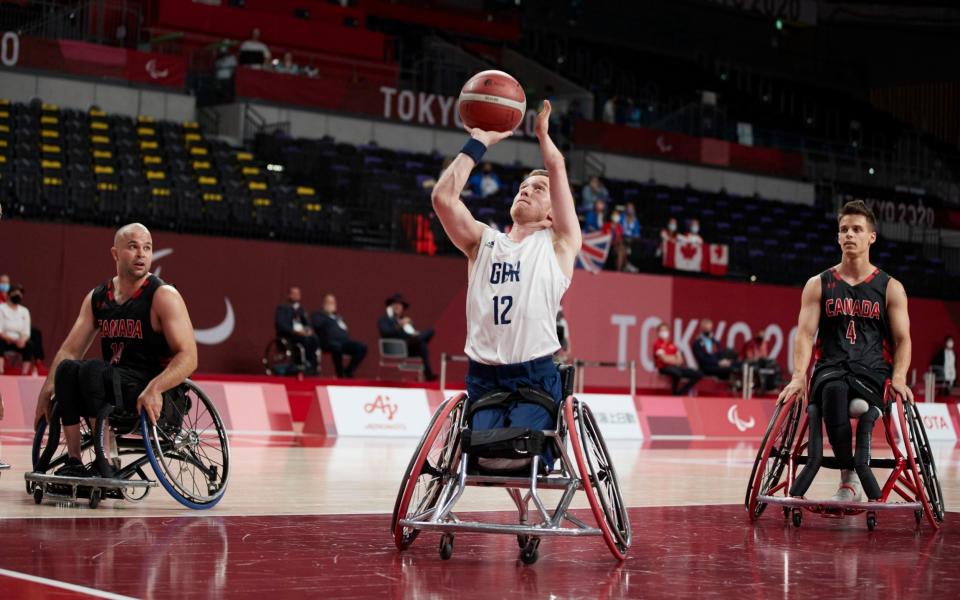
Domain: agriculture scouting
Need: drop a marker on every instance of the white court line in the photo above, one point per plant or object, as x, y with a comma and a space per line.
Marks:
64, 585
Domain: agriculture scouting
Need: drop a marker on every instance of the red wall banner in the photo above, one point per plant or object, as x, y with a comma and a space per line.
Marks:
232, 286
95, 60
668, 145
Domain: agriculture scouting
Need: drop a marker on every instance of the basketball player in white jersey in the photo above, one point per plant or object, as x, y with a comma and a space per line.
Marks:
516, 280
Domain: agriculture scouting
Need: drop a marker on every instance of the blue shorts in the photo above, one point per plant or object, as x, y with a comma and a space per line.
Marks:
539, 373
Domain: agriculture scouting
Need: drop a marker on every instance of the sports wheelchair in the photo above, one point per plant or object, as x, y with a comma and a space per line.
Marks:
187, 449
785, 447
450, 458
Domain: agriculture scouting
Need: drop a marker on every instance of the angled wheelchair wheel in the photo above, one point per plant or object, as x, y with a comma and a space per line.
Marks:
922, 464
431, 466
188, 448
278, 358
773, 456
599, 477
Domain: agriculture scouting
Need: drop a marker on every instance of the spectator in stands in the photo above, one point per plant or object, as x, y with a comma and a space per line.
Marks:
610, 110
331, 331
596, 218
15, 329
253, 52
693, 231
756, 353
292, 324
711, 358
225, 64
485, 182
593, 191
631, 224
631, 235
615, 228
667, 234
671, 363
396, 324
945, 362
4, 286
287, 65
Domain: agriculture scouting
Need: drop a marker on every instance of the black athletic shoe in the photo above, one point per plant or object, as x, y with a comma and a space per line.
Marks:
73, 468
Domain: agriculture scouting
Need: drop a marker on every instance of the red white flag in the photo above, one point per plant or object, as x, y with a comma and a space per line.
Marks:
689, 253
719, 259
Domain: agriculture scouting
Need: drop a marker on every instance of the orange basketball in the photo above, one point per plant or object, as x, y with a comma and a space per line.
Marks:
492, 101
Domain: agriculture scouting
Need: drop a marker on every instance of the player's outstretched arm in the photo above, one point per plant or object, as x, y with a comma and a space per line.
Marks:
462, 229
806, 331
900, 330
566, 226
178, 331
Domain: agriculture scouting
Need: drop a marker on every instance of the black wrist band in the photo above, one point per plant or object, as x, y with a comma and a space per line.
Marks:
475, 149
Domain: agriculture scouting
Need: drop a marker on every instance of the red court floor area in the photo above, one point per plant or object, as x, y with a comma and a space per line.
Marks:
690, 552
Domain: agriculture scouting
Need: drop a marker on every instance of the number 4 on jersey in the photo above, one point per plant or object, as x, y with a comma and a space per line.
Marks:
852, 332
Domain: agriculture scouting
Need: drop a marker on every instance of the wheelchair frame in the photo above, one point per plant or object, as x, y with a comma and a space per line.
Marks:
589, 470
153, 444
913, 476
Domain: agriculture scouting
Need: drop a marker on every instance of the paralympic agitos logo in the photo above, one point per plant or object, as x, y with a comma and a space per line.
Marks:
213, 335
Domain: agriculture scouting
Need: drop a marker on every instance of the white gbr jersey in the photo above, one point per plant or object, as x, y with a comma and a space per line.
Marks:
513, 297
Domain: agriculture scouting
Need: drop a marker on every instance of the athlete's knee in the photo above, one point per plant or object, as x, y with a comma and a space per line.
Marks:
92, 379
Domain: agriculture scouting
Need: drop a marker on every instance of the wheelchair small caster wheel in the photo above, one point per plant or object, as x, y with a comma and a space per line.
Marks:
530, 554
871, 521
446, 547
522, 541
797, 517
30, 488
37, 495
95, 496
918, 516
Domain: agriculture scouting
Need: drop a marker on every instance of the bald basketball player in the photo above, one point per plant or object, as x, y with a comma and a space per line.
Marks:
146, 340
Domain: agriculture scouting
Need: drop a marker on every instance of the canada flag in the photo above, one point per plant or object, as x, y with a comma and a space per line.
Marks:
689, 253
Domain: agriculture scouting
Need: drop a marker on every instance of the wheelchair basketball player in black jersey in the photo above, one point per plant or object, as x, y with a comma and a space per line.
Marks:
859, 317
146, 340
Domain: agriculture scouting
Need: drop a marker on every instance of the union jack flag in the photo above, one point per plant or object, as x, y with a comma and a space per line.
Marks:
593, 253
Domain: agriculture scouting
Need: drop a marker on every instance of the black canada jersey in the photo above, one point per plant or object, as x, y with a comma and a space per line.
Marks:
126, 337
854, 328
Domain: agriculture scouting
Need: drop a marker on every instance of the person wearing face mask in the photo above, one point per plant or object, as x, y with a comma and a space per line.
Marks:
15, 328
4, 286
946, 360
292, 324
713, 359
615, 228
693, 232
667, 234
597, 218
670, 362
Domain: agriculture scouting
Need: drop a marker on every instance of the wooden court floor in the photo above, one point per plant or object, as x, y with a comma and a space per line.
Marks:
309, 517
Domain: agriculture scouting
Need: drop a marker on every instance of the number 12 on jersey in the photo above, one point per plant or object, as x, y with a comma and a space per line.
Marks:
501, 309
852, 332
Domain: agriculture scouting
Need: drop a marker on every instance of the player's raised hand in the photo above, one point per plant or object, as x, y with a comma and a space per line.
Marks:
487, 138
543, 120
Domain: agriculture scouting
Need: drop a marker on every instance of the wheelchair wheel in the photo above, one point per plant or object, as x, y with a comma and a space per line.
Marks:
278, 358
188, 448
774, 455
924, 468
431, 466
598, 476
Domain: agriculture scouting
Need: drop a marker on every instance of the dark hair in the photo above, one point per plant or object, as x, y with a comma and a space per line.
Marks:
858, 207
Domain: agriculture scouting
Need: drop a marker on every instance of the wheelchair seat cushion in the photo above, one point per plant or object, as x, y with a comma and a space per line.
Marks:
507, 442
